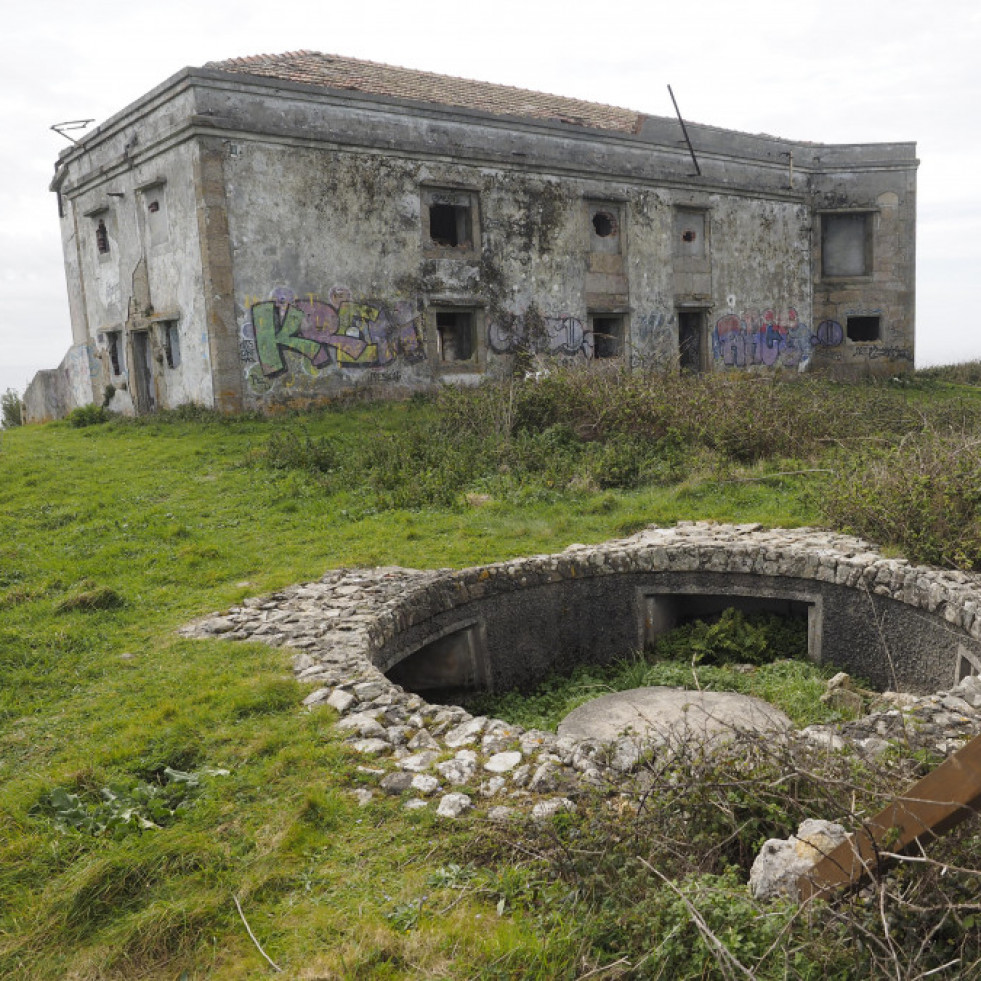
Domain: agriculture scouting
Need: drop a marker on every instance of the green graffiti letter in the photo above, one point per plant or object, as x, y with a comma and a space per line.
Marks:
271, 336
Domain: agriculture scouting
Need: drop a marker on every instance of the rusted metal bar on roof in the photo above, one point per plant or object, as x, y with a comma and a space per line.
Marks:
932, 806
684, 129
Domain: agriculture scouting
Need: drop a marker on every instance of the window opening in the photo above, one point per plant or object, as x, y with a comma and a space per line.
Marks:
604, 224
114, 341
101, 238
171, 343
449, 225
665, 611
845, 245
689, 230
605, 228
455, 330
862, 328
607, 337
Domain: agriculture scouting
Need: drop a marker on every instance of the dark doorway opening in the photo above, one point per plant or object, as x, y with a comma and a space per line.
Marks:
665, 611
143, 373
690, 339
607, 337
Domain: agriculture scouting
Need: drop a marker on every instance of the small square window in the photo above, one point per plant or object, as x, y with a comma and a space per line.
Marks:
607, 336
171, 337
456, 336
449, 225
450, 220
862, 328
846, 245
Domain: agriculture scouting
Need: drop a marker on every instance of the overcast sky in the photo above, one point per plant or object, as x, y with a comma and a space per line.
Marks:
843, 71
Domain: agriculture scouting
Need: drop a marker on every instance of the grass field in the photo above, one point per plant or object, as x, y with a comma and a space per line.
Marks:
113, 535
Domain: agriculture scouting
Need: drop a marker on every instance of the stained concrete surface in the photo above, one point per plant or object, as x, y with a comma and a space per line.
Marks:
661, 715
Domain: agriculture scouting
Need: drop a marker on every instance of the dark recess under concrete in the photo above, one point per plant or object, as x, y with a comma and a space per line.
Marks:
514, 638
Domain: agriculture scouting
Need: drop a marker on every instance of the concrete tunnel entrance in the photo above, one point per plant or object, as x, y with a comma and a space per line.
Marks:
665, 611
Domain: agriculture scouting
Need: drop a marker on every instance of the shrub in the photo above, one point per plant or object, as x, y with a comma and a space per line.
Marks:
96, 598
88, 415
658, 883
290, 450
736, 638
11, 409
923, 496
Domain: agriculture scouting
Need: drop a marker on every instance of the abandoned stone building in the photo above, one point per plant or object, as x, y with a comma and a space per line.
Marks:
275, 229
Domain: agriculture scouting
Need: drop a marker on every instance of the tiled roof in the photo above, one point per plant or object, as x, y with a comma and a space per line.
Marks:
332, 71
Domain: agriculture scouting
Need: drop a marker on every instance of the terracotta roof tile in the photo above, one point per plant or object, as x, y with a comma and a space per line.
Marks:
332, 71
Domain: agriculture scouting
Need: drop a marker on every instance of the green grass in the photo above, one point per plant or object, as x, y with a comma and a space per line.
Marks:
112, 535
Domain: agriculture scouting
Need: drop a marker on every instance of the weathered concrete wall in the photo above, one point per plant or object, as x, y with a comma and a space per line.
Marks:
133, 258
876, 293
54, 392
536, 276
305, 241
351, 295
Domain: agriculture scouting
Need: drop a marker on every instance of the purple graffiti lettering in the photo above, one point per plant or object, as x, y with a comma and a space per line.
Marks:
761, 338
829, 333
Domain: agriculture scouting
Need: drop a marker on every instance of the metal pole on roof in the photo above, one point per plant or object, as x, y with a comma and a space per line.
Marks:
684, 129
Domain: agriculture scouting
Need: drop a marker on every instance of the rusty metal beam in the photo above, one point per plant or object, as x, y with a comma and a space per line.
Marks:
684, 130
941, 800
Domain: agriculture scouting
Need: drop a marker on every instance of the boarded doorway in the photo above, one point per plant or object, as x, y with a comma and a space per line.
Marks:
142, 373
690, 339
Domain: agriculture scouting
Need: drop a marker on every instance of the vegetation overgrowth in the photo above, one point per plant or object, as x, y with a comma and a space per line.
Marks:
154, 786
11, 409
756, 654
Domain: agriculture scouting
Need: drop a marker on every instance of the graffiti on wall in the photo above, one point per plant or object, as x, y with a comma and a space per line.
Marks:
889, 353
770, 338
339, 330
560, 336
